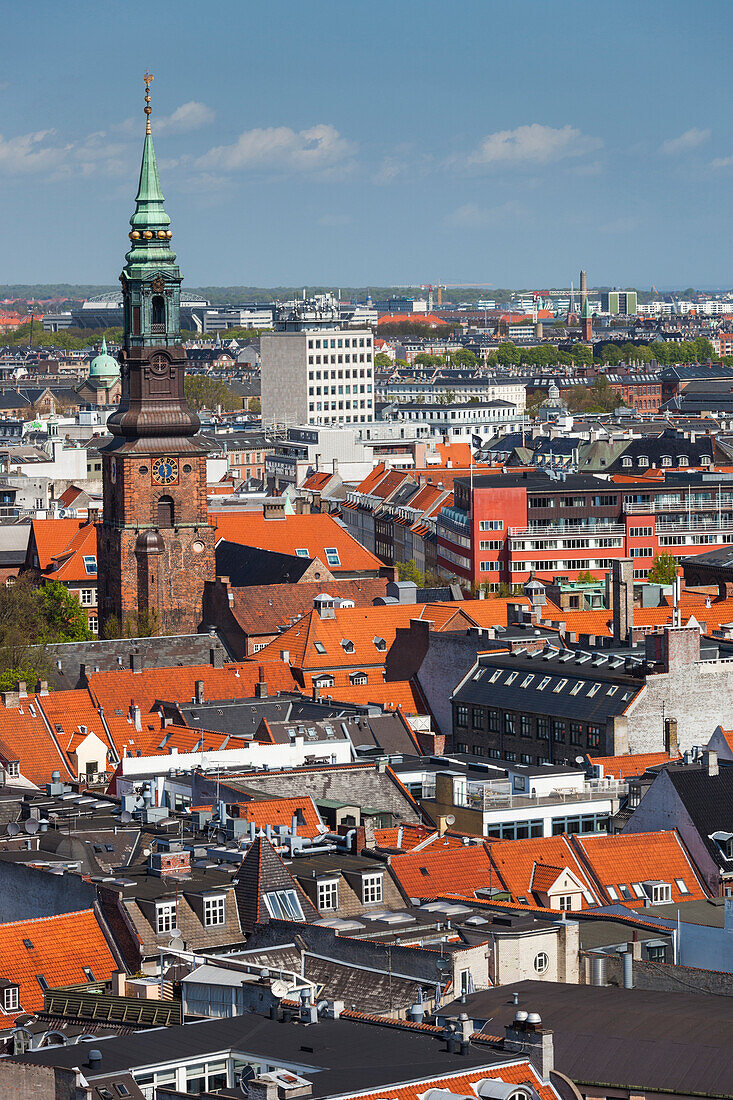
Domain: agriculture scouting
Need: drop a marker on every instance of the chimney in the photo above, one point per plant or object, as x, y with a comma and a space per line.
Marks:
316, 692
261, 686
526, 1035
622, 597
710, 762
671, 744
119, 983
22, 689
199, 692
136, 715
136, 661
216, 656
42, 687
285, 656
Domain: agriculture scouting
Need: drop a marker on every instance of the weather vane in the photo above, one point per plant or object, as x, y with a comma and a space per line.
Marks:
148, 78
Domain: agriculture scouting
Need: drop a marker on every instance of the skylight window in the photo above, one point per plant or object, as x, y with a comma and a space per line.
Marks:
559, 686
511, 678
611, 891
527, 680
302, 552
594, 689
495, 676
319, 647
90, 564
612, 690
578, 685
332, 555
624, 891
638, 889
284, 904
681, 885
543, 683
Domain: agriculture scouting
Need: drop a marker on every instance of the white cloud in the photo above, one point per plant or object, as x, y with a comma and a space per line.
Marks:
689, 140
189, 116
30, 153
533, 144
473, 216
722, 162
317, 148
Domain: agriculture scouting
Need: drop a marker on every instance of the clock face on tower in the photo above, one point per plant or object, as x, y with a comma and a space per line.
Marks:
165, 471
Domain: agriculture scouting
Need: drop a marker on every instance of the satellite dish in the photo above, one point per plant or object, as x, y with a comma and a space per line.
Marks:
221, 836
280, 989
450, 819
176, 942
580, 760
146, 851
32, 825
245, 1077
125, 817
13, 828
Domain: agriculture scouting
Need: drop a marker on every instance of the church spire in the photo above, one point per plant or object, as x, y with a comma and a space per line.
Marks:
150, 223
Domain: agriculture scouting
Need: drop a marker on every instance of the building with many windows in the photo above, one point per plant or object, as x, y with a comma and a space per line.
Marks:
317, 375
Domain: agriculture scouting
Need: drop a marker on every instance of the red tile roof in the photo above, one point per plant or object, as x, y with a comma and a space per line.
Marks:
520, 1072
313, 533
52, 536
68, 566
24, 731
59, 948
625, 767
431, 319
279, 811
515, 862
626, 858
443, 867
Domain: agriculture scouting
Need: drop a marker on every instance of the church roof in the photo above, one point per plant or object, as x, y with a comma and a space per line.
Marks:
104, 365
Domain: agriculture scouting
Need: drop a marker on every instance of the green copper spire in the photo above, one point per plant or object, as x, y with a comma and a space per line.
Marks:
585, 311
151, 281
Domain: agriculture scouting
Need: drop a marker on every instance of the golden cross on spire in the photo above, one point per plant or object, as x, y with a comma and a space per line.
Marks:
148, 109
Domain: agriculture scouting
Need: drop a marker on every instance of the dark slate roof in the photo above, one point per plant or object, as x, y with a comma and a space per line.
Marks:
489, 686
708, 800
260, 872
385, 1054
108, 655
245, 565
719, 559
242, 717
696, 370
634, 1039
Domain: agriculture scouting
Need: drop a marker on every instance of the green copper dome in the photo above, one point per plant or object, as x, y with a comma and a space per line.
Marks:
104, 365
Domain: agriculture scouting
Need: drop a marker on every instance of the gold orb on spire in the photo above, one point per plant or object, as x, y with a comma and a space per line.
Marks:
148, 78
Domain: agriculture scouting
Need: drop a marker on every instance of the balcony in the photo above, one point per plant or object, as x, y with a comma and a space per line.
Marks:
499, 796
667, 504
454, 517
567, 530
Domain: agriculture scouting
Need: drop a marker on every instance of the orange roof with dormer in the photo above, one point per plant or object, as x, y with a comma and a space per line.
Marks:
280, 811
57, 949
50, 537
630, 765
314, 534
630, 859
516, 862
23, 730
69, 566
443, 867
515, 1073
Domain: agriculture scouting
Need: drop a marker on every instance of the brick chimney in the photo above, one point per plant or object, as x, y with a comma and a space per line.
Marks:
622, 598
526, 1035
261, 686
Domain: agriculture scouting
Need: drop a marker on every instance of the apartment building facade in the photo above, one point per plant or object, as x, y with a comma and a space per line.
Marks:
499, 530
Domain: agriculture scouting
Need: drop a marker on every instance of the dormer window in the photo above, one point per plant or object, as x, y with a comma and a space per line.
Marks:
626, 461
371, 888
658, 892
643, 460
324, 682
165, 917
215, 911
13, 769
725, 843
666, 460
347, 645
380, 644
11, 998
358, 678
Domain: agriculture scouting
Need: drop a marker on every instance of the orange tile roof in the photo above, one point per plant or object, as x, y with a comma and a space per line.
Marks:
408, 837
637, 857
373, 478
68, 566
520, 1072
317, 481
60, 947
52, 536
390, 694
24, 731
360, 626
632, 764
431, 319
279, 811
544, 877
443, 867
458, 454
515, 861
115, 690
71, 710
310, 532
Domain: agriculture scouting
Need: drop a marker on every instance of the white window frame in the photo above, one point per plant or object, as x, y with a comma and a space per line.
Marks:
13, 769
371, 888
11, 998
541, 962
86, 597
328, 895
165, 917
215, 911
565, 903
332, 555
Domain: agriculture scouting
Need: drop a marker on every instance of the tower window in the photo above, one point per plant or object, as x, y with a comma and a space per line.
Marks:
165, 512
158, 319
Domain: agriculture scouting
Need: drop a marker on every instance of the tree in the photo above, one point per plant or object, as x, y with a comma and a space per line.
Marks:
408, 571
663, 570
586, 577
464, 358
209, 392
382, 361
64, 618
143, 625
254, 405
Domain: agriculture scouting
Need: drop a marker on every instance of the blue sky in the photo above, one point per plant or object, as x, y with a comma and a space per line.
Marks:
373, 143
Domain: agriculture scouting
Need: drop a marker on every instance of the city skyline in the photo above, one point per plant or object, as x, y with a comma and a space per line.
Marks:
374, 146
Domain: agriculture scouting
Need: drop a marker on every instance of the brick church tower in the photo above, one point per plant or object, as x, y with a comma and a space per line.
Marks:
155, 544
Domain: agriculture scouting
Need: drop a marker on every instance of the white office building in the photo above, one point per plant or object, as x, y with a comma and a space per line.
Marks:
317, 375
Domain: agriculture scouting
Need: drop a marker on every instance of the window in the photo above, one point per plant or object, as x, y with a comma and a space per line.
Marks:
494, 721
543, 728
90, 564
87, 597
332, 555
165, 916
461, 715
94, 624
328, 895
541, 962
681, 885
371, 888
11, 1001
543, 683
611, 891
284, 904
214, 911
525, 728
302, 552
165, 512
594, 737
158, 313
657, 952
491, 524
565, 903
319, 647
477, 717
